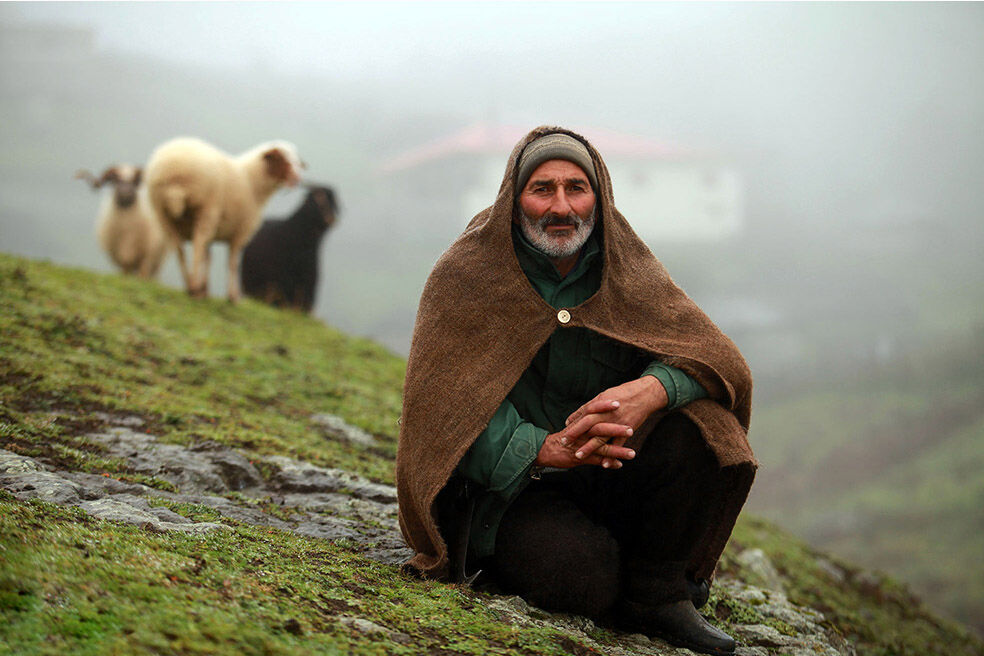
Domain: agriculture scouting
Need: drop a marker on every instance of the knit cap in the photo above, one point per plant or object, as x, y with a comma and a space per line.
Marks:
554, 146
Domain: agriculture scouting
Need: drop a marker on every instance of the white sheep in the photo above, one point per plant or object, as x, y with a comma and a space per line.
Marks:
201, 194
126, 228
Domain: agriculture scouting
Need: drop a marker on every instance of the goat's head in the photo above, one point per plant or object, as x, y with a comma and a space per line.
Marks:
283, 163
323, 200
125, 179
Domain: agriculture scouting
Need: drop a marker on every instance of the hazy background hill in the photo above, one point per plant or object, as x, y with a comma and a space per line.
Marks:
854, 287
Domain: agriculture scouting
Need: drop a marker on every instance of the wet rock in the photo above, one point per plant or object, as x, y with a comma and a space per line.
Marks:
366, 627
751, 651
328, 504
296, 476
809, 636
318, 502
337, 428
340, 530
236, 470
393, 552
132, 421
26, 479
94, 486
764, 636
206, 467
12, 463
758, 564
127, 509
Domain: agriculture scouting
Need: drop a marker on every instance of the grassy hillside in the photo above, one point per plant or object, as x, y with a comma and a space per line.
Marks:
903, 489
76, 345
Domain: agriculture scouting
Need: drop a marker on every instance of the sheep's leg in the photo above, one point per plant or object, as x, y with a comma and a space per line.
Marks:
200, 260
183, 263
235, 255
154, 259
174, 240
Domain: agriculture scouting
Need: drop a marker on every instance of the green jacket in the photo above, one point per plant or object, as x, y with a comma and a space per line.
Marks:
572, 368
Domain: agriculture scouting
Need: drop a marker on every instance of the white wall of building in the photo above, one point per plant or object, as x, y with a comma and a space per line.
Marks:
685, 200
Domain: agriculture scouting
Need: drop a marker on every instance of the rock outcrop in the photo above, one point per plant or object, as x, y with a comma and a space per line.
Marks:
332, 504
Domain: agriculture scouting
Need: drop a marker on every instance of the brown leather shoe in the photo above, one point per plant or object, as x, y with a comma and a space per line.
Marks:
679, 624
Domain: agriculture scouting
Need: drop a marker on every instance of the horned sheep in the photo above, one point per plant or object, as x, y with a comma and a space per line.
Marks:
126, 228
200, 194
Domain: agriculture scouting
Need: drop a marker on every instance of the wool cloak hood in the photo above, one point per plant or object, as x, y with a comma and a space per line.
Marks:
480, 322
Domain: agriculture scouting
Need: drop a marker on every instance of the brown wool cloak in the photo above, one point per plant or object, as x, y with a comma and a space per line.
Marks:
480, 322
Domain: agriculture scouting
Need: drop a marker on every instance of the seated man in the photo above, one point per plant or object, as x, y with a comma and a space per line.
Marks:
573, 425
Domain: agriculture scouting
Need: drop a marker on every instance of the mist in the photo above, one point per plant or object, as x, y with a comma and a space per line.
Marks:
852, 283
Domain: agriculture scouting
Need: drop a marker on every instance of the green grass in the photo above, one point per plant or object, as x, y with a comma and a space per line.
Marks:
69, 584
74, 344
244, 375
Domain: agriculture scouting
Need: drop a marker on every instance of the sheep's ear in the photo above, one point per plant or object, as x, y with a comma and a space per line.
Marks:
277, 164
137, 176
332, 199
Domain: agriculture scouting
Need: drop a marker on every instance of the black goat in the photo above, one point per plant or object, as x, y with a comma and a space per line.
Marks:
280, 263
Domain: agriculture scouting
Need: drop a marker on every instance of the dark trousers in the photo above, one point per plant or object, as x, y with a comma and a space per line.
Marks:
578, 540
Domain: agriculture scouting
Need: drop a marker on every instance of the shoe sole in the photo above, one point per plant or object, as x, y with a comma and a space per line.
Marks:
677, 642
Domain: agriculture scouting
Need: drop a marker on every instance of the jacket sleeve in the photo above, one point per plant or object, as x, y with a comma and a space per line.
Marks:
503, 453
681, 388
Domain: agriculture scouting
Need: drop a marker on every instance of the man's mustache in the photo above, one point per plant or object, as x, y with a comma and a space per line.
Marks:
552, 218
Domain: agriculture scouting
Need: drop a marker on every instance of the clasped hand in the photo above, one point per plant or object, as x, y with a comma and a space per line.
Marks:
596, 432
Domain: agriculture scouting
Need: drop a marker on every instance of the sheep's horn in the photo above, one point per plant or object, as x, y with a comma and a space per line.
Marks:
82, 174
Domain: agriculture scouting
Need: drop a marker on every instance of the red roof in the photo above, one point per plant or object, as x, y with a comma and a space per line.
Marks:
489, 139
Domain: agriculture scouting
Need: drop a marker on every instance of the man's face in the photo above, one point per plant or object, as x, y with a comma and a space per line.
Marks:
557, 208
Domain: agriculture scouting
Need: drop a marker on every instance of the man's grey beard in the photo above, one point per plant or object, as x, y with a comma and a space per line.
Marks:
535, 232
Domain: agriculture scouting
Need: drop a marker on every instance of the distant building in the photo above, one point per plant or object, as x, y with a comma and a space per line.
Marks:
665, 192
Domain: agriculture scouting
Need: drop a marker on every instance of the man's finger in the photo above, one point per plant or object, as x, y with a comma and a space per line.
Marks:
590, 426
613, 463
595, 443
573, 431
593, 406
609, 456
617, 434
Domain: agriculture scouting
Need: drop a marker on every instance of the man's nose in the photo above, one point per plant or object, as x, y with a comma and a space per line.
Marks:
560, 204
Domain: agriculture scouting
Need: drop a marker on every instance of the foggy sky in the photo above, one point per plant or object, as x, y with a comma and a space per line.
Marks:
836, 115
824, 92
